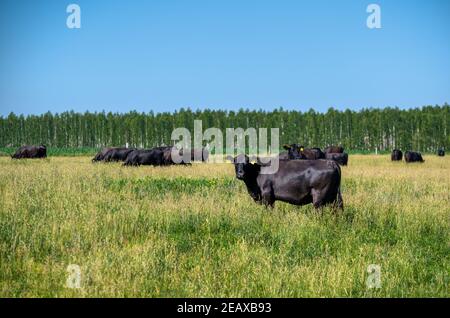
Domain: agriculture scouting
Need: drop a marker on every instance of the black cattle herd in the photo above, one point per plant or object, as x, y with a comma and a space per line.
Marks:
304, 175
158, 156
411, 156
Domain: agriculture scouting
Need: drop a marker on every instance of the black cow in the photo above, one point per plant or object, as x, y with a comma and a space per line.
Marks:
167, 155
117, 154
30, 152
300, 152
441, 152
340, 158
411, 156
100, 156
396, 155
154, 157
297, 182
318, 152
201, 154
283, 155
334, 149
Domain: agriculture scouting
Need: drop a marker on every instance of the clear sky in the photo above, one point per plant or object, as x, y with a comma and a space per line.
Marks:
163, 55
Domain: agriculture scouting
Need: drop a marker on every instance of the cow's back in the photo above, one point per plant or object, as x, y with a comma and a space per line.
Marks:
302, 173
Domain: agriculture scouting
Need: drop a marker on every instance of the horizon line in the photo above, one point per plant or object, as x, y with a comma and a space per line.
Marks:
280, 108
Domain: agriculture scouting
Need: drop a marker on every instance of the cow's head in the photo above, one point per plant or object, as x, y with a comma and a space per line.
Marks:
242, 166
295, 151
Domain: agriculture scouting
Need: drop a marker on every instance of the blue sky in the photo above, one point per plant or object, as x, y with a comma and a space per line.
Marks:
164, 55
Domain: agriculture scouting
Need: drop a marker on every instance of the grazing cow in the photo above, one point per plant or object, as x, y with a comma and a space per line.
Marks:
411, 156
334, 149
117, 154
100, 156
297, 182
31, 152
154, 157
340, 158
299, 152
396, 155
441, 152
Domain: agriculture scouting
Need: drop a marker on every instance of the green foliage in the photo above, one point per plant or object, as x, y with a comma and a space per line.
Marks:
176, 186
424, 129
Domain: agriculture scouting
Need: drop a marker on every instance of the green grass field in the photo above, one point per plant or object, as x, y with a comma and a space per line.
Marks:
194, 232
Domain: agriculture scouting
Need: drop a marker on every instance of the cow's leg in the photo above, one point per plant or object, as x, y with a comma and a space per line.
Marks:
317, 198
339, 204
322, 197
267, 195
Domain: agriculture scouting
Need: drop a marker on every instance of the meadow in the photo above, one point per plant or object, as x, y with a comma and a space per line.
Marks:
193, 231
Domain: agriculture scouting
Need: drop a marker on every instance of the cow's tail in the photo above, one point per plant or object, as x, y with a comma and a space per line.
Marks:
339, 201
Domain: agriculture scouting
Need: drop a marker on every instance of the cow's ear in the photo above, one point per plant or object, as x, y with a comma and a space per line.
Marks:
230, 158
263, 164
286, 146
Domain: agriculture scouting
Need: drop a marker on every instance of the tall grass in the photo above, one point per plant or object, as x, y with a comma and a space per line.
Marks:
194, 231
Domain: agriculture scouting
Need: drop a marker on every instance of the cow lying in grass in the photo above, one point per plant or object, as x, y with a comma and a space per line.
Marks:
152, 157
411, 156
30, 152
297, 182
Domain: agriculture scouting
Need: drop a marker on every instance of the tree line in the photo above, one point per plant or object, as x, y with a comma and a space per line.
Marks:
422, 129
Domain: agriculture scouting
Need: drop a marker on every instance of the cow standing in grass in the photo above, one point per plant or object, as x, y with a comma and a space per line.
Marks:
100, 156
337, 154
396, 155
295, 151
340, 158
110, 154
297, 182
117, 154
